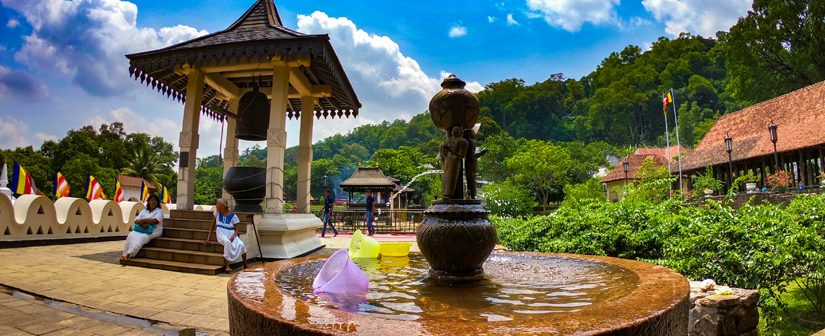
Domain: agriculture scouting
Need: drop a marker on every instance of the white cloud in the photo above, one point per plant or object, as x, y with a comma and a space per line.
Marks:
43, 137
510, 20
570, 15
12, 23
86, 40
491, 19
389, 84
457, 31
13, 133
703, 17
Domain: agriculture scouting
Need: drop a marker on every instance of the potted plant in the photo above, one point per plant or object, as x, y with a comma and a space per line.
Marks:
707, 183
750, 182
779, 181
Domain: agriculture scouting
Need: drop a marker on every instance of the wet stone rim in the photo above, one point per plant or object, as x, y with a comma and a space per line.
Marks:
658, 306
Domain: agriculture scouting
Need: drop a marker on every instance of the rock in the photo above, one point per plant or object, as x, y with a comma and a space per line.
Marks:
720, 301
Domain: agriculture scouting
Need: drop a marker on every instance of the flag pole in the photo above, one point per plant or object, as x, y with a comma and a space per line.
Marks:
678, 145
667, 134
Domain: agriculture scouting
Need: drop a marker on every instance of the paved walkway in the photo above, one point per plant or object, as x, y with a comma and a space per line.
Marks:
89, 275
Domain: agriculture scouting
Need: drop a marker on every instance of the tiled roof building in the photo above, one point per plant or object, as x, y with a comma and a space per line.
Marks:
800, 120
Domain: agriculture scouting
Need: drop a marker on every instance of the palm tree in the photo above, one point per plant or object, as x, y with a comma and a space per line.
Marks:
144, 164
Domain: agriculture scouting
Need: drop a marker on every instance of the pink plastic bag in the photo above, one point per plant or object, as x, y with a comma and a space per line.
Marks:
340, 275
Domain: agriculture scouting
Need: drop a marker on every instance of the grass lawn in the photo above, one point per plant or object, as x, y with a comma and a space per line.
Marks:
798, 318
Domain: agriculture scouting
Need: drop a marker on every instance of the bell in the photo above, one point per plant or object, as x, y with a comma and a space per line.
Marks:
253, 116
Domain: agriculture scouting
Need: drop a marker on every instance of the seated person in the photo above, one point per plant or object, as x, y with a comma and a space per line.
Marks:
225, 233
148, 226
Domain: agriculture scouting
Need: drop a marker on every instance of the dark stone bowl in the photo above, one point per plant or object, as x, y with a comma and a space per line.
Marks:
247, 187
657, 306
456, 238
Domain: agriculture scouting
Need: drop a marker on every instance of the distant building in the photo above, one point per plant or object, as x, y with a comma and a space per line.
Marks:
799, 117
373, 179
131, 186
617, 179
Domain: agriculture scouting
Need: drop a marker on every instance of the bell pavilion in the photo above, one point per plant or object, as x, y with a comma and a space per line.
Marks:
301, 77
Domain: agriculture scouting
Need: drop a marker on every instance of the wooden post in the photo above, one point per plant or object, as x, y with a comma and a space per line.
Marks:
188, 140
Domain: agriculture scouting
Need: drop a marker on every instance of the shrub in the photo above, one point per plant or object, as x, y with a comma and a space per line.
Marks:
779, 181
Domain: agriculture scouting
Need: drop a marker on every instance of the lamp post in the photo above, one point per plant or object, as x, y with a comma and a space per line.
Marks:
325, 182
774, 138
729, 149
626, 168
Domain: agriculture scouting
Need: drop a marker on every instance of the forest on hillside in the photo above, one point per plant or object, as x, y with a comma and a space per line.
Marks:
541, 136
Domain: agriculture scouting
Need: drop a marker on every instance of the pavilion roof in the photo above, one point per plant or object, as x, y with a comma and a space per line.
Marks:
256, 37
799, 116
368, 179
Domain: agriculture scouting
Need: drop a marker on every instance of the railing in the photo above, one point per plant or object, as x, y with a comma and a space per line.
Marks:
388, 221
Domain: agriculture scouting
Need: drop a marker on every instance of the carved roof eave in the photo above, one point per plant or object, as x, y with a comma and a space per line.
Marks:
157, 68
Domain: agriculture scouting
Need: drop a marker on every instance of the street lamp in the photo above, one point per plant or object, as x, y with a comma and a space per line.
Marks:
774, 138
325, 182
729, 149
626, 168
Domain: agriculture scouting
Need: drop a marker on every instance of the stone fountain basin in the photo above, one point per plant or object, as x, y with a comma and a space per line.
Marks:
654, 302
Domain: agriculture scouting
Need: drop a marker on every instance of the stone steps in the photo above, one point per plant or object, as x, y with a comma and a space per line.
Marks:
181, 248
174, 266
183, 256
186, 244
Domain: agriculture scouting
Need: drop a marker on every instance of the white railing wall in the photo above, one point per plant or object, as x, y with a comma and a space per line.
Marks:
33, 217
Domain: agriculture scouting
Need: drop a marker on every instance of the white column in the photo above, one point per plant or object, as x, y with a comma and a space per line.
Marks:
230, 153
188, 141
276, 139
305, 153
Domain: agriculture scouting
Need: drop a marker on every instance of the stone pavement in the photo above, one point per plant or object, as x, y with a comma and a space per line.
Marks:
88, 275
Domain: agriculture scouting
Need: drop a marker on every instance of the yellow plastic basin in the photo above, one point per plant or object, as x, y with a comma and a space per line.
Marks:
395, 249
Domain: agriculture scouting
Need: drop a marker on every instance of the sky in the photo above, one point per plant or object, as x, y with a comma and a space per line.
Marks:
62, 63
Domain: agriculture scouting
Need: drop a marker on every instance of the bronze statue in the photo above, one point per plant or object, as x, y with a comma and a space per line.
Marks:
453, 152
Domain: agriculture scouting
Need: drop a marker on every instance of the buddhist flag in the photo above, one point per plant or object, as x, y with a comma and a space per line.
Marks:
667, 99
21, 181
93, 189
144, 191
118, 191
165, 197
61, 186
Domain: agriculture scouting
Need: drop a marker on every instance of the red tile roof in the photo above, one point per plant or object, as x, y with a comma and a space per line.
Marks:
131, 181
634, 163
799, 115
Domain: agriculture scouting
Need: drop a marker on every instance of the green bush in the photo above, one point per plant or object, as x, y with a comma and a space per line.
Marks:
760, 246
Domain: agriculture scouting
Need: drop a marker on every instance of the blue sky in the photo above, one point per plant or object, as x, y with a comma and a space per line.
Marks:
62, 64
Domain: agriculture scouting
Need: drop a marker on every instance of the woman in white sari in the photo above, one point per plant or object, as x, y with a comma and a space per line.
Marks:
225, 233
148, 226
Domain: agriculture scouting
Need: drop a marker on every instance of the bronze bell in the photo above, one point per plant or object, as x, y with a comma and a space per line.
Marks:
253, 116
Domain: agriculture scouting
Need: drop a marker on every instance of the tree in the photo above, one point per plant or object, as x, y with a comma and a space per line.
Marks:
542, 167
507, 199
208, 182
776, 49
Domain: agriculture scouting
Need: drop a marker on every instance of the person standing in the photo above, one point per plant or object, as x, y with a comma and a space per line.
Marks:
370, 201
224, 227
329, 203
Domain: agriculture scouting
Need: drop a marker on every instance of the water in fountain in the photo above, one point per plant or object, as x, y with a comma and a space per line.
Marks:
429, 172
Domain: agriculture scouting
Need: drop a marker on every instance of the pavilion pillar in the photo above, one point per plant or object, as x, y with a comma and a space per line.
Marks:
276, 139
305, 153
821, 160
188, 141
800, 167
282, 236
230, 152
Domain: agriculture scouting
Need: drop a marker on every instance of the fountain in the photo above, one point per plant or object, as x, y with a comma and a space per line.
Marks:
456, 286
